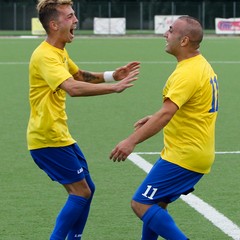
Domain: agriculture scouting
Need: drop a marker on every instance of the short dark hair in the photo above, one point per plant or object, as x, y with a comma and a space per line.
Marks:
194, 30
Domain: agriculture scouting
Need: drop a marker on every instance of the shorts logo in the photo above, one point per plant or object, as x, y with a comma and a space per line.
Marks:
79, 170
77, 235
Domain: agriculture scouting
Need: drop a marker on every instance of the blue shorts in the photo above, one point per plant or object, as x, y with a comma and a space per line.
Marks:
165, 183
62, 164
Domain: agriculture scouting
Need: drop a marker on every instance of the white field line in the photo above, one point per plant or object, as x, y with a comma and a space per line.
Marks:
121, 62
210, 213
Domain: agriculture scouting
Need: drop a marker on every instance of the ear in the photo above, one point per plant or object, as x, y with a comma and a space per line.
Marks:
53, 25
184, 41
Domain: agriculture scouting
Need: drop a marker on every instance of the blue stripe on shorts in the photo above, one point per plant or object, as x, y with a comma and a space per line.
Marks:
62, 164
165, 183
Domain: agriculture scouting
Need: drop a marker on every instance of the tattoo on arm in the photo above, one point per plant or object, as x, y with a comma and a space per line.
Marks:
88, 77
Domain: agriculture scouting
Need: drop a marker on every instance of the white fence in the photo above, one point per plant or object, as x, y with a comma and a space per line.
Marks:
115, 26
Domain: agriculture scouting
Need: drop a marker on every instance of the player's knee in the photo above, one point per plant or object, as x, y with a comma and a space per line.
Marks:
135, 207
92, 187
87, 193
139, 208
133, 204
80, 189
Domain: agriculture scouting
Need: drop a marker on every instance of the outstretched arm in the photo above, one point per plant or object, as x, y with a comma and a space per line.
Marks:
147, 127
79, 88
99, 77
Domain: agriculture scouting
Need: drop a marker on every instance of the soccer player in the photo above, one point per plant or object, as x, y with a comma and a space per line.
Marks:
187, 117
53, 75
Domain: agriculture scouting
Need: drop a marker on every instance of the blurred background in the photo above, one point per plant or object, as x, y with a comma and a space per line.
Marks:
139, 15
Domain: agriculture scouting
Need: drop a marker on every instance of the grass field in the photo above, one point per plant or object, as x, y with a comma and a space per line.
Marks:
30, 201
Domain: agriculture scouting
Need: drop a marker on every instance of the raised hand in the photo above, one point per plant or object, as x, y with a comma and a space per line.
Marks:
127, 81
122, 72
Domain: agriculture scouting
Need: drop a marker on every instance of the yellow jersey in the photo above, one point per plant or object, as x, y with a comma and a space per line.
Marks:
49, 67
189, 137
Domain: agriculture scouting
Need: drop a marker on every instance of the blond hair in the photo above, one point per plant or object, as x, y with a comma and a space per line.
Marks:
47, 10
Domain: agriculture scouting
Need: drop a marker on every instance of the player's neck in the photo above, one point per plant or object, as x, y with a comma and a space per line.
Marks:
55, 42
187, 55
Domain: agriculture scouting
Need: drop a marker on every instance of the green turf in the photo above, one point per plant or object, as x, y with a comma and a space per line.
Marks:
30, 201
5, 33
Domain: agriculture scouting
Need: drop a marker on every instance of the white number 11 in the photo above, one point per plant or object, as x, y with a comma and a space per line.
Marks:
150, 192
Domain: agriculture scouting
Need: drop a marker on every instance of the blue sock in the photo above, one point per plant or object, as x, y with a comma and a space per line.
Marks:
76, 231
148, 234
160, 222
68, 216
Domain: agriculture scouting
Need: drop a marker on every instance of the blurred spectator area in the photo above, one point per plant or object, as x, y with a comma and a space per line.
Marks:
139, 15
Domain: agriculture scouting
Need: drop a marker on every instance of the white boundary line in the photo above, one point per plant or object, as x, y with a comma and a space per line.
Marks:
210, 213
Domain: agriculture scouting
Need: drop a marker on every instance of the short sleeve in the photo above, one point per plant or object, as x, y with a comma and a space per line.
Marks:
53, 71
179, 89
73, 68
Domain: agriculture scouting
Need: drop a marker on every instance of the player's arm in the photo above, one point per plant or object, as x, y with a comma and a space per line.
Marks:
108, 76
81, 88
90, 77
156, 122
151, 126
